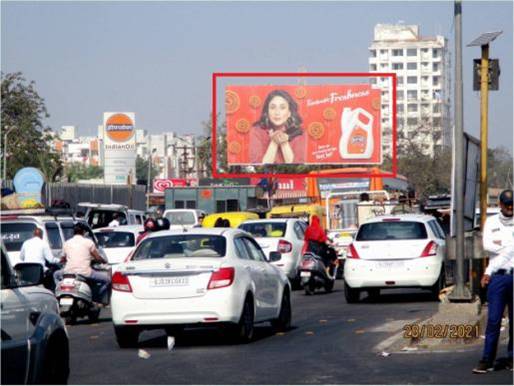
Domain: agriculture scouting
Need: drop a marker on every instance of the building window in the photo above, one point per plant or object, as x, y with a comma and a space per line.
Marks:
435, 80
412, 108
398, 52
399, 95
383, 66
373, 53
437, 108
436, 52
437, 122
373, 67
373, 80
383, 52
399, 108
412, 79
412, 121
412, 94
399, 80
412, 52
424, 50
397, 66
436, 67
412, 66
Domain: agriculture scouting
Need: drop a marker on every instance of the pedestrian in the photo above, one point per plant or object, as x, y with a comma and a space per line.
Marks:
78, 254
149, 227
498, 240
220, 223
115, 220
403, 206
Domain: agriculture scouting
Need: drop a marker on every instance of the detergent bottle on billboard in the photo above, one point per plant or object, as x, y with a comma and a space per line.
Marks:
356, 134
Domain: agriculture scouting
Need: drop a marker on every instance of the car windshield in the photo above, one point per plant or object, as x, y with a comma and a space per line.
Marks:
265, 229
15, 234
116, 239
181, 217
395, 230
178, 246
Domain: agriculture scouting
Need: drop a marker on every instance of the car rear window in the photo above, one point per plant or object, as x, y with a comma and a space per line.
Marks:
100, 218
181, 218
265, 229
397, 230
116, 239
15, 234
178, 246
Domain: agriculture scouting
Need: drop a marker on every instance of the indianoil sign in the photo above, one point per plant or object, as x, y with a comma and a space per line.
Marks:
119, 145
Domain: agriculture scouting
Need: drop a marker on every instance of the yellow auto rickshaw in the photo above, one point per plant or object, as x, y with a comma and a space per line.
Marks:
234, 218
305, 211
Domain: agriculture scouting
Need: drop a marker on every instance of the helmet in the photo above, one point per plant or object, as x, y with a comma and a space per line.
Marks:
150, 225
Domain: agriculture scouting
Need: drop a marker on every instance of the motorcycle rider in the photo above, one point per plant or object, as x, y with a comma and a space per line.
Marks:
150, 226
78, 253
316, 241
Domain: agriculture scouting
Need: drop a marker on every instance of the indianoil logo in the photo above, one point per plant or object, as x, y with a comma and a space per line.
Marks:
119, 127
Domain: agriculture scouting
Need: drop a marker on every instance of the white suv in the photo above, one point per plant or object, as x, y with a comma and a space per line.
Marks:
406, 250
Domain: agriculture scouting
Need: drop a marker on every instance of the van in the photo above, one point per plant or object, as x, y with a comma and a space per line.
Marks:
235, 218
184, 218
100, 215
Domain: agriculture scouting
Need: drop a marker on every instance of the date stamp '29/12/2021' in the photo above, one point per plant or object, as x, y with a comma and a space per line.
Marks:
440, 331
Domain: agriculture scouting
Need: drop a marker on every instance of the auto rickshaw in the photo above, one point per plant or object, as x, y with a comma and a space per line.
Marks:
235, 218
305, 211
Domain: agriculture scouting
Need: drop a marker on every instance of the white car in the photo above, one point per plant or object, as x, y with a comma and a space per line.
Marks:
184, 218
118, 242
285, 235
405, 250
202, 276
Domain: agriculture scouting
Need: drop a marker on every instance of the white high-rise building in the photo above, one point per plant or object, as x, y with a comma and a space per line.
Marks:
422, 67
68, 133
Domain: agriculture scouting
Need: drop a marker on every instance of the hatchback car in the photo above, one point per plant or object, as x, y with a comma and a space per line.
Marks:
395, 251
35, 348
203, 276
285, 235
118, 242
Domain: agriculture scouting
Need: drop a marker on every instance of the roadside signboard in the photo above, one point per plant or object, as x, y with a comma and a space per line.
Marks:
119, 143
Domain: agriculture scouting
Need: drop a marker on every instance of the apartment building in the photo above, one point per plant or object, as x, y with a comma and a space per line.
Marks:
422, 66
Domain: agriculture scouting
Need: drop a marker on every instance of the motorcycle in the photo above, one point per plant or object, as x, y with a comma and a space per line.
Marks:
77, 297
314, 275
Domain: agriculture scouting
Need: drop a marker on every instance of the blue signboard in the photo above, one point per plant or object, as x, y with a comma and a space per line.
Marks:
28, 183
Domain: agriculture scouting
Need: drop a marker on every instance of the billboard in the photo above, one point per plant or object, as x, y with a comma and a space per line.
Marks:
119, 142
303, 124
161, 184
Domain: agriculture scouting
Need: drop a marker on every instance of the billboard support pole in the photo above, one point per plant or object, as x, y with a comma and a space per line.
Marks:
460, 292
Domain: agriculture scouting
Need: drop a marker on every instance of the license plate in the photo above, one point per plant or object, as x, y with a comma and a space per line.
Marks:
66, 301
68, 281
390, 264
305, 274
169, 282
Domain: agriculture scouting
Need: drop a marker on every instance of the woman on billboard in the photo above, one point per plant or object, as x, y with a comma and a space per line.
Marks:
278, 136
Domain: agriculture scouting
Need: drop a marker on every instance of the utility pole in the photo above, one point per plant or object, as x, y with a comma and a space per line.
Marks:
460, 292
148, 178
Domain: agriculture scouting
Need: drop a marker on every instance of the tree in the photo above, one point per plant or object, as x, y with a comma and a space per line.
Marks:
78, 171
204, 155
29, 140
142, 171
499, 168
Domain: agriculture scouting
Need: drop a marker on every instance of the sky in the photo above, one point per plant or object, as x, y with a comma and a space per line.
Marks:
157, 58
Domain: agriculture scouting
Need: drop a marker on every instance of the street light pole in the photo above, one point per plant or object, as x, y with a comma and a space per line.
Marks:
150, 152
4, 177
460, 292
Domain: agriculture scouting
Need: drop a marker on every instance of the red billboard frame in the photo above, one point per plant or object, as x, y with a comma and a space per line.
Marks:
217, 75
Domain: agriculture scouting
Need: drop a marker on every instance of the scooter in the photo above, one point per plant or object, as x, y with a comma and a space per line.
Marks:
76, 296
313, 274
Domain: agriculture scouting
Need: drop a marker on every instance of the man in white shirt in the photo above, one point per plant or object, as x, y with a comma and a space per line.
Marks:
498, 239
115, 221
37, 250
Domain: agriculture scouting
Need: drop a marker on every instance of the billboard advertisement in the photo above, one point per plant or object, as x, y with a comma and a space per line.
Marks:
161, 184
303, 124
119, 142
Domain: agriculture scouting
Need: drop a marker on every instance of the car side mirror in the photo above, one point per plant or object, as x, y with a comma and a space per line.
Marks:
274, 256
29, 274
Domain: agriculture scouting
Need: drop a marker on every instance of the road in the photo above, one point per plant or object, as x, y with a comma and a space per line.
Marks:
331, 342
